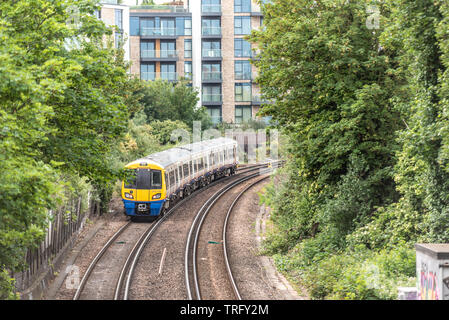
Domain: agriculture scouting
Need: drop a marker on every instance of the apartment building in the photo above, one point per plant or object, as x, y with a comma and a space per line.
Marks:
204, 42
116, 15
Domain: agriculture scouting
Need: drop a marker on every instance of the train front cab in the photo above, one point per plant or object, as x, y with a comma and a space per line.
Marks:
143, 190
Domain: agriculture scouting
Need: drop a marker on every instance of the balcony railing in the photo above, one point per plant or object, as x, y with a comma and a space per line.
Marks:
211, 31
211, 76
211, 8
162, 8
157, 31
145, 54
170, 76
243, 76
211, 53
212, 98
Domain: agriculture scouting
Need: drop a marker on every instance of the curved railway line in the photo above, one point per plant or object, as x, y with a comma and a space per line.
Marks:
140, 239
191, 273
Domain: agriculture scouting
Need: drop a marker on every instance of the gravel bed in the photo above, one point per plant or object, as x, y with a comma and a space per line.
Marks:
255, 275
171, 237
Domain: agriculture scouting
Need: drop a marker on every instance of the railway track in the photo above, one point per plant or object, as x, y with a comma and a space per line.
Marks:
123, 279
192, 282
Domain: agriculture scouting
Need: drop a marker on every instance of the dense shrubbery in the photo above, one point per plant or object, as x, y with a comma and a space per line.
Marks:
365, 111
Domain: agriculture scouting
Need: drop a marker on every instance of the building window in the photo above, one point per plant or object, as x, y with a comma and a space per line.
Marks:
168, 49
211, 72
119, 18
188, 26
168, 71
242, 70
211, 49
211, 27
118, 40
215, 114
242, 48
147, 27
147, 49
242, 25
97, 14
208, 6
147, 71
242, 5
243, 114
243, 92
188, 48
188, 70
168, 27
134, 26
211, 93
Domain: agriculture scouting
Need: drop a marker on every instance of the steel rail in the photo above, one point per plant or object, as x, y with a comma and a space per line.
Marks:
96, 259
196, 227
225, 226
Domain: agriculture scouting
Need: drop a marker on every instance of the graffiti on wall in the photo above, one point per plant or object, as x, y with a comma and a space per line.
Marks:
428, 284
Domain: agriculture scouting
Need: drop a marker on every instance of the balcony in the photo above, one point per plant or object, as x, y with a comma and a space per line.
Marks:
258, 100
244, 76
159, 54
161, 8
211, 9
211, 31
212, 98
150, 76
157, 32
211, 53
214, 76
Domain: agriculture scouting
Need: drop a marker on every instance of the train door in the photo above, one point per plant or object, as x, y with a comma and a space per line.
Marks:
143, 184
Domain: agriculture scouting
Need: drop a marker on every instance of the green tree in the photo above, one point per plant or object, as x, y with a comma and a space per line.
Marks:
329, 78
164, 100
62, 109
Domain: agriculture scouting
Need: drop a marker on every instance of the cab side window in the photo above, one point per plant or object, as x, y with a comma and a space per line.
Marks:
156, 179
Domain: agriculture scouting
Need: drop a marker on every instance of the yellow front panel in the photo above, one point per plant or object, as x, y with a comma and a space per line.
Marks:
146, 195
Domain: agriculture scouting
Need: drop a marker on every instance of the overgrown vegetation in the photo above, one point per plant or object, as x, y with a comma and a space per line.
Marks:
365, 110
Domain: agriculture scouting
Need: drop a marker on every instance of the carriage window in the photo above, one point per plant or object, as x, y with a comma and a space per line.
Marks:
167, 181
179, 173
211, 159
186, 170
156, 179
172, 178
191, 167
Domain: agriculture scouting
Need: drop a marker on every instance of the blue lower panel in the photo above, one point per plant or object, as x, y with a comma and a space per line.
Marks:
131, 207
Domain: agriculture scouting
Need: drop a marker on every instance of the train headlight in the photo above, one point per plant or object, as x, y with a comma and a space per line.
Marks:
157, 196
128, 196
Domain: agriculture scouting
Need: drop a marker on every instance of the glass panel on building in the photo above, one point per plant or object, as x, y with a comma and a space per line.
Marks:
242, 25
215, 114
188, 48
211, 6
211, 93
211, 26
242, 5
211, 71
211, 49
168, 49
242, 48
243, 92
168, 71
188, 70
147, 49
243, 114
134, 26
147, 71
242, 70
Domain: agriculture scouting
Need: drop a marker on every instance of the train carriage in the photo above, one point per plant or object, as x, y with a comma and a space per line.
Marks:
154, 183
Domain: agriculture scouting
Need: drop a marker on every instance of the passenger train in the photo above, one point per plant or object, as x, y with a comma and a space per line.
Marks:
152, 184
